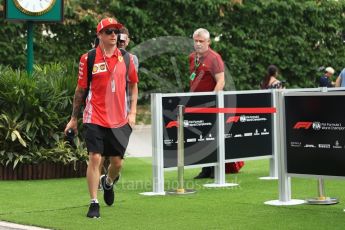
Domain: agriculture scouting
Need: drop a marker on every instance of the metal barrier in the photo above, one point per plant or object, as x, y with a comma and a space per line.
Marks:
158, 102
285, 174
218, 103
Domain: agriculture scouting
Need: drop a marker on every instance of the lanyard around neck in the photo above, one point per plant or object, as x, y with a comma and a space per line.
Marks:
106, 64
196, 63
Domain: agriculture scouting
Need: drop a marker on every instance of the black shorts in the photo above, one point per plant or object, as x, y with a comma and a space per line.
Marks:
107, 141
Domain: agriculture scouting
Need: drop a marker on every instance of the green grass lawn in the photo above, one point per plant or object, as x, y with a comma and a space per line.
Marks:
62, 204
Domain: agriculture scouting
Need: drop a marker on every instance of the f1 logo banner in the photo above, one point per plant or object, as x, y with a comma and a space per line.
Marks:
248, 135
200, 130
315, 134
302, 125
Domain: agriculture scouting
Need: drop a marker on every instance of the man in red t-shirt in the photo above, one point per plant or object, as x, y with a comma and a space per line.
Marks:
207, 74
107, 120
205, 65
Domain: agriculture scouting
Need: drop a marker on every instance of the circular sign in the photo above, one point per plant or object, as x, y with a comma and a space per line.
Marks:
34, 7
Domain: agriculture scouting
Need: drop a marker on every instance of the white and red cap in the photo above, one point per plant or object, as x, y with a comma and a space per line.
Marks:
107, 23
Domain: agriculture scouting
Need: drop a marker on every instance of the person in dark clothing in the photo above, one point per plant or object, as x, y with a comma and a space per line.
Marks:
325, 80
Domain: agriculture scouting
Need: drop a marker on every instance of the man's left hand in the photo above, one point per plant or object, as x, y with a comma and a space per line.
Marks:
131, 119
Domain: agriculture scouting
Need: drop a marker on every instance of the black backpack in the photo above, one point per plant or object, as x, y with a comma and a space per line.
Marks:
91, 55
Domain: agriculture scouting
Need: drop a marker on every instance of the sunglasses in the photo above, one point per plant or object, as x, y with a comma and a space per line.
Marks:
110, 31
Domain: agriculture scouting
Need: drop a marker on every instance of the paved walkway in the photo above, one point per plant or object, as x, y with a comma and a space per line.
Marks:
140, 145
140, 142
10, 226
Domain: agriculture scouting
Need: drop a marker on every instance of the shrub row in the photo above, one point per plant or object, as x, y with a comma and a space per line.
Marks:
33, 113
297, 36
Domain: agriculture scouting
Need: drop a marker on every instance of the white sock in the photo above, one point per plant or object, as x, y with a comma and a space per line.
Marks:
108, 181
94, 201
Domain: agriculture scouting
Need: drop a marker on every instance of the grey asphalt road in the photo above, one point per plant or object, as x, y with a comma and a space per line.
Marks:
140, 142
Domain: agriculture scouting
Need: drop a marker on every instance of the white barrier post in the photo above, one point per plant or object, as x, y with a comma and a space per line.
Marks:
157, 147
220, 167
275, 140
283, 180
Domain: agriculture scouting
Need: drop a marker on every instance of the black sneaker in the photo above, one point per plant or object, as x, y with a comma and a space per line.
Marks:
212, 174
116, 179
206, 172
108, 195
93, 211
202, 175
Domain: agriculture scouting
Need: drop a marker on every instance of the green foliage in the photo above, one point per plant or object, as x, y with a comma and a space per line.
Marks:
297, 36
33, 113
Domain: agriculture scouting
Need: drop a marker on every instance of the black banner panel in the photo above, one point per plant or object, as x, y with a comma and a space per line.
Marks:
200, 131
315, 135
248, 135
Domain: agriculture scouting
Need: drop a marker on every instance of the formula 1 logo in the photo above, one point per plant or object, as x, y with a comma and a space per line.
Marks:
172, 124
303, 125
233, 119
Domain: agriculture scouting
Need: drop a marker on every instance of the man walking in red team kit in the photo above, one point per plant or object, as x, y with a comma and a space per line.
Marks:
107, 119
207, 74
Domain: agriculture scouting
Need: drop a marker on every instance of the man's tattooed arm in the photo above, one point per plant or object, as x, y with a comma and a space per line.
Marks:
79, 96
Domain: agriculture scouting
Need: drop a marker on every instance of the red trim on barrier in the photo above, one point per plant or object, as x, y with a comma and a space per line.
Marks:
231, 110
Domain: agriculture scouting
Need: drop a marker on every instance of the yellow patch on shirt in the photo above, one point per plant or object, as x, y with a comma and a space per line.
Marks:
94, 69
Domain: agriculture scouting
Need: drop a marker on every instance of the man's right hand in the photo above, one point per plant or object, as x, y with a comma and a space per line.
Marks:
77, 102
72, 124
